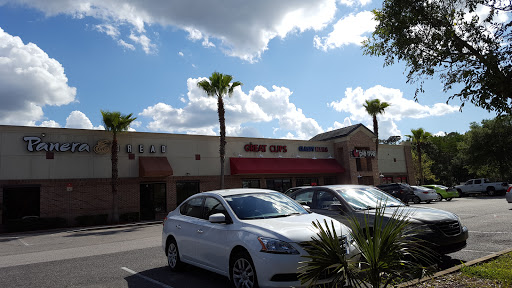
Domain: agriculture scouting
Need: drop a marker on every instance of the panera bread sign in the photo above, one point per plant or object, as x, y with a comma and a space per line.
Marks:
36, 144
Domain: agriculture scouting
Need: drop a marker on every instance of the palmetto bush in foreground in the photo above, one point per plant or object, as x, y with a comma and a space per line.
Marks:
389, 251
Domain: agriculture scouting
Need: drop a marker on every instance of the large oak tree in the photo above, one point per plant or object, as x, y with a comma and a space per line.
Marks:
467, 43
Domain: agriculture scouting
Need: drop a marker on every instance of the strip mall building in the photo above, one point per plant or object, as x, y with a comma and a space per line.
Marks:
58, 172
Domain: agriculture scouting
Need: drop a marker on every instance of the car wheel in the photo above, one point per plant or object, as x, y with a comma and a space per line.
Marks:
416, 200
242, 271
439, 197
449, 199
173, 256
490, 191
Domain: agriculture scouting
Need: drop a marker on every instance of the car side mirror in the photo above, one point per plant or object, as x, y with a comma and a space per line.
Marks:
217, 218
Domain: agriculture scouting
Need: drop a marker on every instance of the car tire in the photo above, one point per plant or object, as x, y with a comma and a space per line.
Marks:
491, 191
439, 198
449, 199
173, 256
242, 271
416, 200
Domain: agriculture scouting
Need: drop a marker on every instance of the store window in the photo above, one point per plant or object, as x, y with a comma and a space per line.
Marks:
250, 183
306, 182
280, 185
185, 189
330, 180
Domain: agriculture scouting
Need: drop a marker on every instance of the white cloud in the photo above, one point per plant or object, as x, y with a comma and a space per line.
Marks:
440, 133
125, 45
79, 120
399, 109
346, 31
50, 123
244, 31
181, 54
29, 80
357, 2
199, 116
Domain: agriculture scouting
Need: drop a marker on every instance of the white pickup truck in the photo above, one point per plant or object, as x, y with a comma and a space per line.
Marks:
481, 185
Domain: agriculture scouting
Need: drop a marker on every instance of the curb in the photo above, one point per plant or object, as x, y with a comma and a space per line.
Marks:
116, 226
455, 268
82, 229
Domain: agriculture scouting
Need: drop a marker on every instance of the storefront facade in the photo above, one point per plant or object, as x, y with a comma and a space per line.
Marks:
65, 173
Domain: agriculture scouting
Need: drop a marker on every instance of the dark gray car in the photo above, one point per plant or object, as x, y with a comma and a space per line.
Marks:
440, 228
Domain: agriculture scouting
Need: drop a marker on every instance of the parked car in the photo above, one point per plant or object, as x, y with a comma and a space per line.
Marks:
442, 229
508, 195
443, 192
482, 185
255, 237
293, 189
401, 191
423, 194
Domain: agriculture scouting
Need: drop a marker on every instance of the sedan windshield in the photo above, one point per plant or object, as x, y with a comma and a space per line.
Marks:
367, 198
263, 205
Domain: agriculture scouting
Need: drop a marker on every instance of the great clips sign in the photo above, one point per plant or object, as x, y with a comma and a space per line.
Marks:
263, 148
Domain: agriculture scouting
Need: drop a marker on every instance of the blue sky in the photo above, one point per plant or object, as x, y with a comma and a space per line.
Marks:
300, 62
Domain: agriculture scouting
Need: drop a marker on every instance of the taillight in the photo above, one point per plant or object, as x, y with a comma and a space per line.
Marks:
509, 189
426, 192
165, 219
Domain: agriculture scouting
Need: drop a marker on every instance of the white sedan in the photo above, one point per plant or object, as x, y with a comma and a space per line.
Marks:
508, 195
423, 194
255, 237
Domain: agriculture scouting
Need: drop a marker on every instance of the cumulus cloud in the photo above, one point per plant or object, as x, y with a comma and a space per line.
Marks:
29, 80
245, 30
400, 108
199, 116
79, 120
49, 123
348, 30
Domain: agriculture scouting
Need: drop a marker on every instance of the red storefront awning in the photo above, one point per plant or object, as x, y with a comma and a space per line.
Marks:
284, 166
154, 167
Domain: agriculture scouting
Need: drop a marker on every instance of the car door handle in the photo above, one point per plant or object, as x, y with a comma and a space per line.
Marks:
199, 231
178, 226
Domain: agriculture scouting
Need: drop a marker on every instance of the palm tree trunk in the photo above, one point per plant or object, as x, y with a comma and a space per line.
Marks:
222, 149
115, 177
376, 132
418, 149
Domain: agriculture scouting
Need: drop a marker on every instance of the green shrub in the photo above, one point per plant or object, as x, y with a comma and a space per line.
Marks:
31, 223
92, 220
129, 217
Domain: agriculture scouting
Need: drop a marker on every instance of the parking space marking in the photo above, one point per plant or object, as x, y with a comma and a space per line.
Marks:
146, 278
24, 243
485, 232
478, 251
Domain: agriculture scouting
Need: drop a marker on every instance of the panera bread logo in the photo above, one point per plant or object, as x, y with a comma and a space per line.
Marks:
36, 144
102, 147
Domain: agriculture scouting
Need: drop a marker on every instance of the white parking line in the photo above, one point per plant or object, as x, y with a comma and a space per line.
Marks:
146, 278
24, 243
484, 232
487, 252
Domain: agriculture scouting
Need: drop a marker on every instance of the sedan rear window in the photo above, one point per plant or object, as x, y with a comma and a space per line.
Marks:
263, 205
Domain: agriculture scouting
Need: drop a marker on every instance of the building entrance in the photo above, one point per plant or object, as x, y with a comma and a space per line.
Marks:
152, 201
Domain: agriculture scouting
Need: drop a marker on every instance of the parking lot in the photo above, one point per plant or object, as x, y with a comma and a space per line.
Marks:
132, 257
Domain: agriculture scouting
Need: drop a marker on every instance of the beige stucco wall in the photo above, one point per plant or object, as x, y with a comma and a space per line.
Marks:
387, 156
17, 163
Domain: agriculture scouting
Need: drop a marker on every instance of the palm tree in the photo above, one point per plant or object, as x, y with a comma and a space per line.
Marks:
116, 123
418, 138
218, 86
389, 250
375, 107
